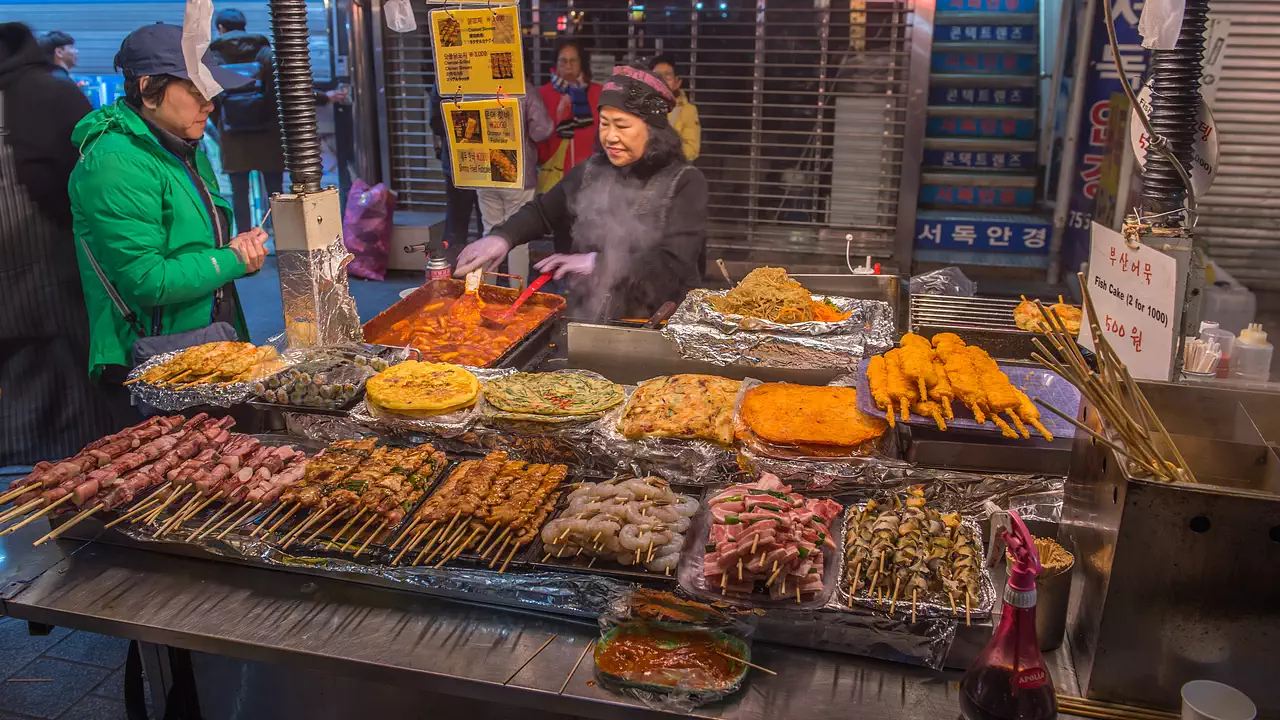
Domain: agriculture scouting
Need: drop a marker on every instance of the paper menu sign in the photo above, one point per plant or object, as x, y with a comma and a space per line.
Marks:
485, 144
478, 52
1134, 294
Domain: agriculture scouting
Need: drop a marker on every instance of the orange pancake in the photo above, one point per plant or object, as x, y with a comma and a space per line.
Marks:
787, 414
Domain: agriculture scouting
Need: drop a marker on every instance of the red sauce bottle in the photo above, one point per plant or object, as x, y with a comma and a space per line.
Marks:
1009, 680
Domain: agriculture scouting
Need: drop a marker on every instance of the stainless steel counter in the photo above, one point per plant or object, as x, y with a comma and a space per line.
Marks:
411, 644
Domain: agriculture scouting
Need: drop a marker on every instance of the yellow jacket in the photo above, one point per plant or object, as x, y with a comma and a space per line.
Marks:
684, 120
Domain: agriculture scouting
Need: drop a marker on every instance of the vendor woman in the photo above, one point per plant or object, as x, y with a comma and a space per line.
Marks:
146, 209
630, 222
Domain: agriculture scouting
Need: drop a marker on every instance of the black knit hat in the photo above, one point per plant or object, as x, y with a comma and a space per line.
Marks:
639, 92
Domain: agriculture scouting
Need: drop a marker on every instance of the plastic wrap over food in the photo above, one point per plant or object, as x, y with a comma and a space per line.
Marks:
318, 307
325, 428
175, 399
701, 333
447, 425
944, 281
685, 462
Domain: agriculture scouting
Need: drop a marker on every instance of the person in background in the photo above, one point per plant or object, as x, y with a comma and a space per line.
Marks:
60, 50
635, 212
572, 100
48, 407
684, 118
145, 208
460, 204
498, 204
248, 125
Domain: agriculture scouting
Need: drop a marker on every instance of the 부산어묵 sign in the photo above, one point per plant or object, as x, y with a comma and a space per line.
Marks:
1133, 290
485, 145
478, 52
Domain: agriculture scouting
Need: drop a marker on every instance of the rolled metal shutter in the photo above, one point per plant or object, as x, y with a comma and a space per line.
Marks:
803, 104
1240, 215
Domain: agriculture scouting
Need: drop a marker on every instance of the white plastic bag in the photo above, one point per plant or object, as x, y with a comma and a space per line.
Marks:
400, 16
1161, 22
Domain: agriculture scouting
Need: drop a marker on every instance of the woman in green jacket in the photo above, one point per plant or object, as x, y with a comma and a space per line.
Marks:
144, 202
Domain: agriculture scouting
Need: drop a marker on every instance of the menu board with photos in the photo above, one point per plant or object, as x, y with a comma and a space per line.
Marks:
478, 51
485, 145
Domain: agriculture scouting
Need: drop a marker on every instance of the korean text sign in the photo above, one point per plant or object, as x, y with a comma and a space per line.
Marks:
1133, 289
485, 146
478, 51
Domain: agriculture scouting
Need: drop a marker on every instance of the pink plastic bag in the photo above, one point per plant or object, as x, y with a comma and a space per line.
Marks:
367, 227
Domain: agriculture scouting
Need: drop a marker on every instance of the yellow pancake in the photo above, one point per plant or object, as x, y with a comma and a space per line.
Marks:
423, 387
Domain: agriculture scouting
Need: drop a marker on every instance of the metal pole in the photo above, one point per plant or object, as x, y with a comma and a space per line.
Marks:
1066, 174
757, 121
363, 92
295, 91
920, 49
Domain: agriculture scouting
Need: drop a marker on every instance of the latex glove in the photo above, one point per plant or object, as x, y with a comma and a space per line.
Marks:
250, 248
487, 252
560, 265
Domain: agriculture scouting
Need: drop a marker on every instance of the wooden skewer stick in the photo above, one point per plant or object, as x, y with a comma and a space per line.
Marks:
212, 519
296, 533
447, 544
591, 562
23, 510
69, 524
952, 598
498, 556
178, 514
32, 517
446, 533
267, 521
500, 539
338, 535
192, 513
966, 608
382, 526
427, 545
893, 604
357, 533
739, 569
283, 519
173, 496
514, 547
744, 662
18, 492
456, 545
492, 529
774, 574
914, 592
408, 532
251, 509
412, 543
649, 557
853, 582
754, 541
328, 524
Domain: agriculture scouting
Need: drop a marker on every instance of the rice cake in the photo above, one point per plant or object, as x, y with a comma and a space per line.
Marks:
414, 386
682, 406
807, 415
553, 393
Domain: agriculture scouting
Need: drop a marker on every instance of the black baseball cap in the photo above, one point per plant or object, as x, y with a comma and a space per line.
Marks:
157, 50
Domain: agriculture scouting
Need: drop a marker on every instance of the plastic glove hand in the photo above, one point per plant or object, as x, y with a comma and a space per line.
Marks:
487, 252
561, 265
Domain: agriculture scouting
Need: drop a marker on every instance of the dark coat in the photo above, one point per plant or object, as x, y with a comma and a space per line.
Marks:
244, 151
49, 409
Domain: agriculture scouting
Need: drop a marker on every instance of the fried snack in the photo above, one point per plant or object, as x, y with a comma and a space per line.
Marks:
1030, 414
503, 166
423, 387
556, 394
1027, 316
682, 406
917, 363
769, 294
216, 362
808, 415
997, 391
901, 389
878, 379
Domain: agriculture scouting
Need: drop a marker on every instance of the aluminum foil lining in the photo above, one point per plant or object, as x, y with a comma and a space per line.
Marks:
701, 333
448, 425
315, 291
836, 628
932, 605
684, 462
169, 399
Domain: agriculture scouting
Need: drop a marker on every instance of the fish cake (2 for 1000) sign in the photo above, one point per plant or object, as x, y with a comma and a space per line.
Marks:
485, 146
478, 52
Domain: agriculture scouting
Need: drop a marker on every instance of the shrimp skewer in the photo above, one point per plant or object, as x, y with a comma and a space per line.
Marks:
900, 388
917, 363
1030, 414
999, 392
930, 409
877, 378
942, 392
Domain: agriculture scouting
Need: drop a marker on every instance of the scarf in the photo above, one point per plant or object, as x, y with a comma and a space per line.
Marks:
577, 92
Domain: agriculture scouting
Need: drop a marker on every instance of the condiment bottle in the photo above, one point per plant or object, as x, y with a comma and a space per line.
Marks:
1211, 333
1009, 680
1251, 359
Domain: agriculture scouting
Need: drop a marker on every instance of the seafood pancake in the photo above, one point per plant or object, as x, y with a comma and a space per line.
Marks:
423, 387
788, 414
555, 393
682, 406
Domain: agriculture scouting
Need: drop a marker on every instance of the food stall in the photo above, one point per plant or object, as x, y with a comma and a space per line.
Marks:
768, 479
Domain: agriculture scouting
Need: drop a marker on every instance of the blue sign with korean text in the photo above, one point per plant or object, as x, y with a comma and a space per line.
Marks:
980, 159
985, 33
1003, 97
1012, 6
951, 126
1101, 81
990, 233
988, 63
970, 196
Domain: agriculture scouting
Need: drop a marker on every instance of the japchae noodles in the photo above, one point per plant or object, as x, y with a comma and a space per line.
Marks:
767, 293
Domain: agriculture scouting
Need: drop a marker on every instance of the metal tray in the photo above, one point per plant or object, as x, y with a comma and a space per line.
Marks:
381, 325
380, 351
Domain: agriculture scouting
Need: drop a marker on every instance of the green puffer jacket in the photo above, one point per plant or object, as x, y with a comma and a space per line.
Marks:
135, 206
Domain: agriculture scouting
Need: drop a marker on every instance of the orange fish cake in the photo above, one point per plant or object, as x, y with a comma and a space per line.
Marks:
788, 414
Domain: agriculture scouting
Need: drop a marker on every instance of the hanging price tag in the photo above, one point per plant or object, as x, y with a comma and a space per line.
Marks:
1133, 290
478, 52
485, 144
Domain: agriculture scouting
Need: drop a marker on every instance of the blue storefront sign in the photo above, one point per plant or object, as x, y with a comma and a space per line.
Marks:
951, 126
970, 196
980, 159
1002, 97
980, 62
1101, 81
985, 33
990, 233
1012, 6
